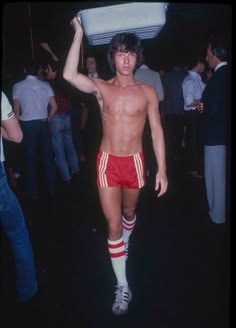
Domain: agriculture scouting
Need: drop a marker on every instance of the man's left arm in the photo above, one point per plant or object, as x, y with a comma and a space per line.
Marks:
157, 141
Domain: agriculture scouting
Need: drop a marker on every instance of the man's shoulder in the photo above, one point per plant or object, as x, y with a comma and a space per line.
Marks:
19, 83
187, 78
147, 76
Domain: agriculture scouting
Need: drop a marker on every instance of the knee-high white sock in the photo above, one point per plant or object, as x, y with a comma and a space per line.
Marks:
116, 250
128, 227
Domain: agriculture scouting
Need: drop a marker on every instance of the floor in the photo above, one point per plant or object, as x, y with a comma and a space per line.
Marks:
178, 267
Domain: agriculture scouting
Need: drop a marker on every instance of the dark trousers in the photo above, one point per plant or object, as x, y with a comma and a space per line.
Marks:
193, 145
37, 142
173, 125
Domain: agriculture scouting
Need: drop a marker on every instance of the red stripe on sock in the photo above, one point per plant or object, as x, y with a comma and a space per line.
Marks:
114, 255
128, 228
128, 224
116, 245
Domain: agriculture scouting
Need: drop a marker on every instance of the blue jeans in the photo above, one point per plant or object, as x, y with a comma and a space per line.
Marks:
37, 136
63, 146
12, 223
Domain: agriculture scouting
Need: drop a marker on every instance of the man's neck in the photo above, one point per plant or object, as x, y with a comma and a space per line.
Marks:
124, 81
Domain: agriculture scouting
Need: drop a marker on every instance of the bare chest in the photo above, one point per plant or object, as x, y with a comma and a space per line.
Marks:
128, 101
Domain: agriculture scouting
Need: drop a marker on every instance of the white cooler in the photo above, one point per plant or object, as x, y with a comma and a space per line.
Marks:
146, 19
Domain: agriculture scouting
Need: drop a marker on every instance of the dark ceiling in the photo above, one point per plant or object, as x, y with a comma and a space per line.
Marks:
186, 31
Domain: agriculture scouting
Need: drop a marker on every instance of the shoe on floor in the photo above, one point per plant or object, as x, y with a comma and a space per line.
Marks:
123, 297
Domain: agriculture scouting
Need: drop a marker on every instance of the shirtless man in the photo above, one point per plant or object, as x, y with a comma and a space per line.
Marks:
124, 105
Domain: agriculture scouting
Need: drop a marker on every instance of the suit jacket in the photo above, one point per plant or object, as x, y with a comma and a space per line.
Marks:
172, 86
148, 76
216, 112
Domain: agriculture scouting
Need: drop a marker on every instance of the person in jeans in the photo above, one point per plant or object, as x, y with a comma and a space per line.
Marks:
12, 221
66, 156
31, 98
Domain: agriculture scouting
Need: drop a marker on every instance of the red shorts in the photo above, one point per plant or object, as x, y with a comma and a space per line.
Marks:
114, 171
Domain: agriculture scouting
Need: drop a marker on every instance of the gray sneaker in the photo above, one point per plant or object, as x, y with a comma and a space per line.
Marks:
123, 297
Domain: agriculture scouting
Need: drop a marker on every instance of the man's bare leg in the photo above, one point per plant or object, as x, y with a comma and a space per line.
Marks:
129, 202
111, 204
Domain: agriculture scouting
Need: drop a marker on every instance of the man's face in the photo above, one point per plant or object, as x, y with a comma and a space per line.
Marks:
91, 65
200, 67
210, 58
125, 62
50, 75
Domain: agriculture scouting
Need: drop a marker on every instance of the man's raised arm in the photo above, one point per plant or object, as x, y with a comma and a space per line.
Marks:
70, 73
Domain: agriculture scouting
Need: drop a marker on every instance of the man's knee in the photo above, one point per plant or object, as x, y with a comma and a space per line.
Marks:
114, 230
129, 214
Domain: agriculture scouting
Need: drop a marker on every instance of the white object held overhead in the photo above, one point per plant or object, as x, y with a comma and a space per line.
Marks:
146, 19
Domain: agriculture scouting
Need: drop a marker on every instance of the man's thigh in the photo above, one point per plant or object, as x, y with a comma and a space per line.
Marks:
110, 198
130, 199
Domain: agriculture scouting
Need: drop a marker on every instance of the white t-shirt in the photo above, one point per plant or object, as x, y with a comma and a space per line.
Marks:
7, 113
33, 96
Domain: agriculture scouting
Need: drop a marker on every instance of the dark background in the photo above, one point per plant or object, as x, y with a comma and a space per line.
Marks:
187, 29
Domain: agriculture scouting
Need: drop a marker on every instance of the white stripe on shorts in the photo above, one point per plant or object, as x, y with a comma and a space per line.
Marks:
139, 169
102, 169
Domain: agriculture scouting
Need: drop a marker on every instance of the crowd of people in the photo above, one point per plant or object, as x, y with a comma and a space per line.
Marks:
131, 123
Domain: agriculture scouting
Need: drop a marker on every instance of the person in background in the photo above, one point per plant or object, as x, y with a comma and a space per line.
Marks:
31, 98
93, 129
66, 156
215, 130
12, 221
173, 112
124, 105
193, 87
12, 150
145, 75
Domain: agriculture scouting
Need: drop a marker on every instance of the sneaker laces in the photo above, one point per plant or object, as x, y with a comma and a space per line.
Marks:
122, 294
123, 297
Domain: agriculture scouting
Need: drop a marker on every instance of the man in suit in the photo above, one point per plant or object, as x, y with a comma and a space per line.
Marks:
215, 99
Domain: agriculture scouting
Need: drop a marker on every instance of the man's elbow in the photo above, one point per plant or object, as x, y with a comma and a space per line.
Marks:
17, 137
67, 76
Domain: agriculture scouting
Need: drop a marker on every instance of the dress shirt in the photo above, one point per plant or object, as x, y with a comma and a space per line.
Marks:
33, 96
192, 89
219, 65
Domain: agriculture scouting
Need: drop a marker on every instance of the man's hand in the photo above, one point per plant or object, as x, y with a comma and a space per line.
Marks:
161, 183
76, 25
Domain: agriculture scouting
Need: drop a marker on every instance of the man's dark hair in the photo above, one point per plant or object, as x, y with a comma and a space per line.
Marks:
194, 60
55, 65
125, 42
219, 49
32, 68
